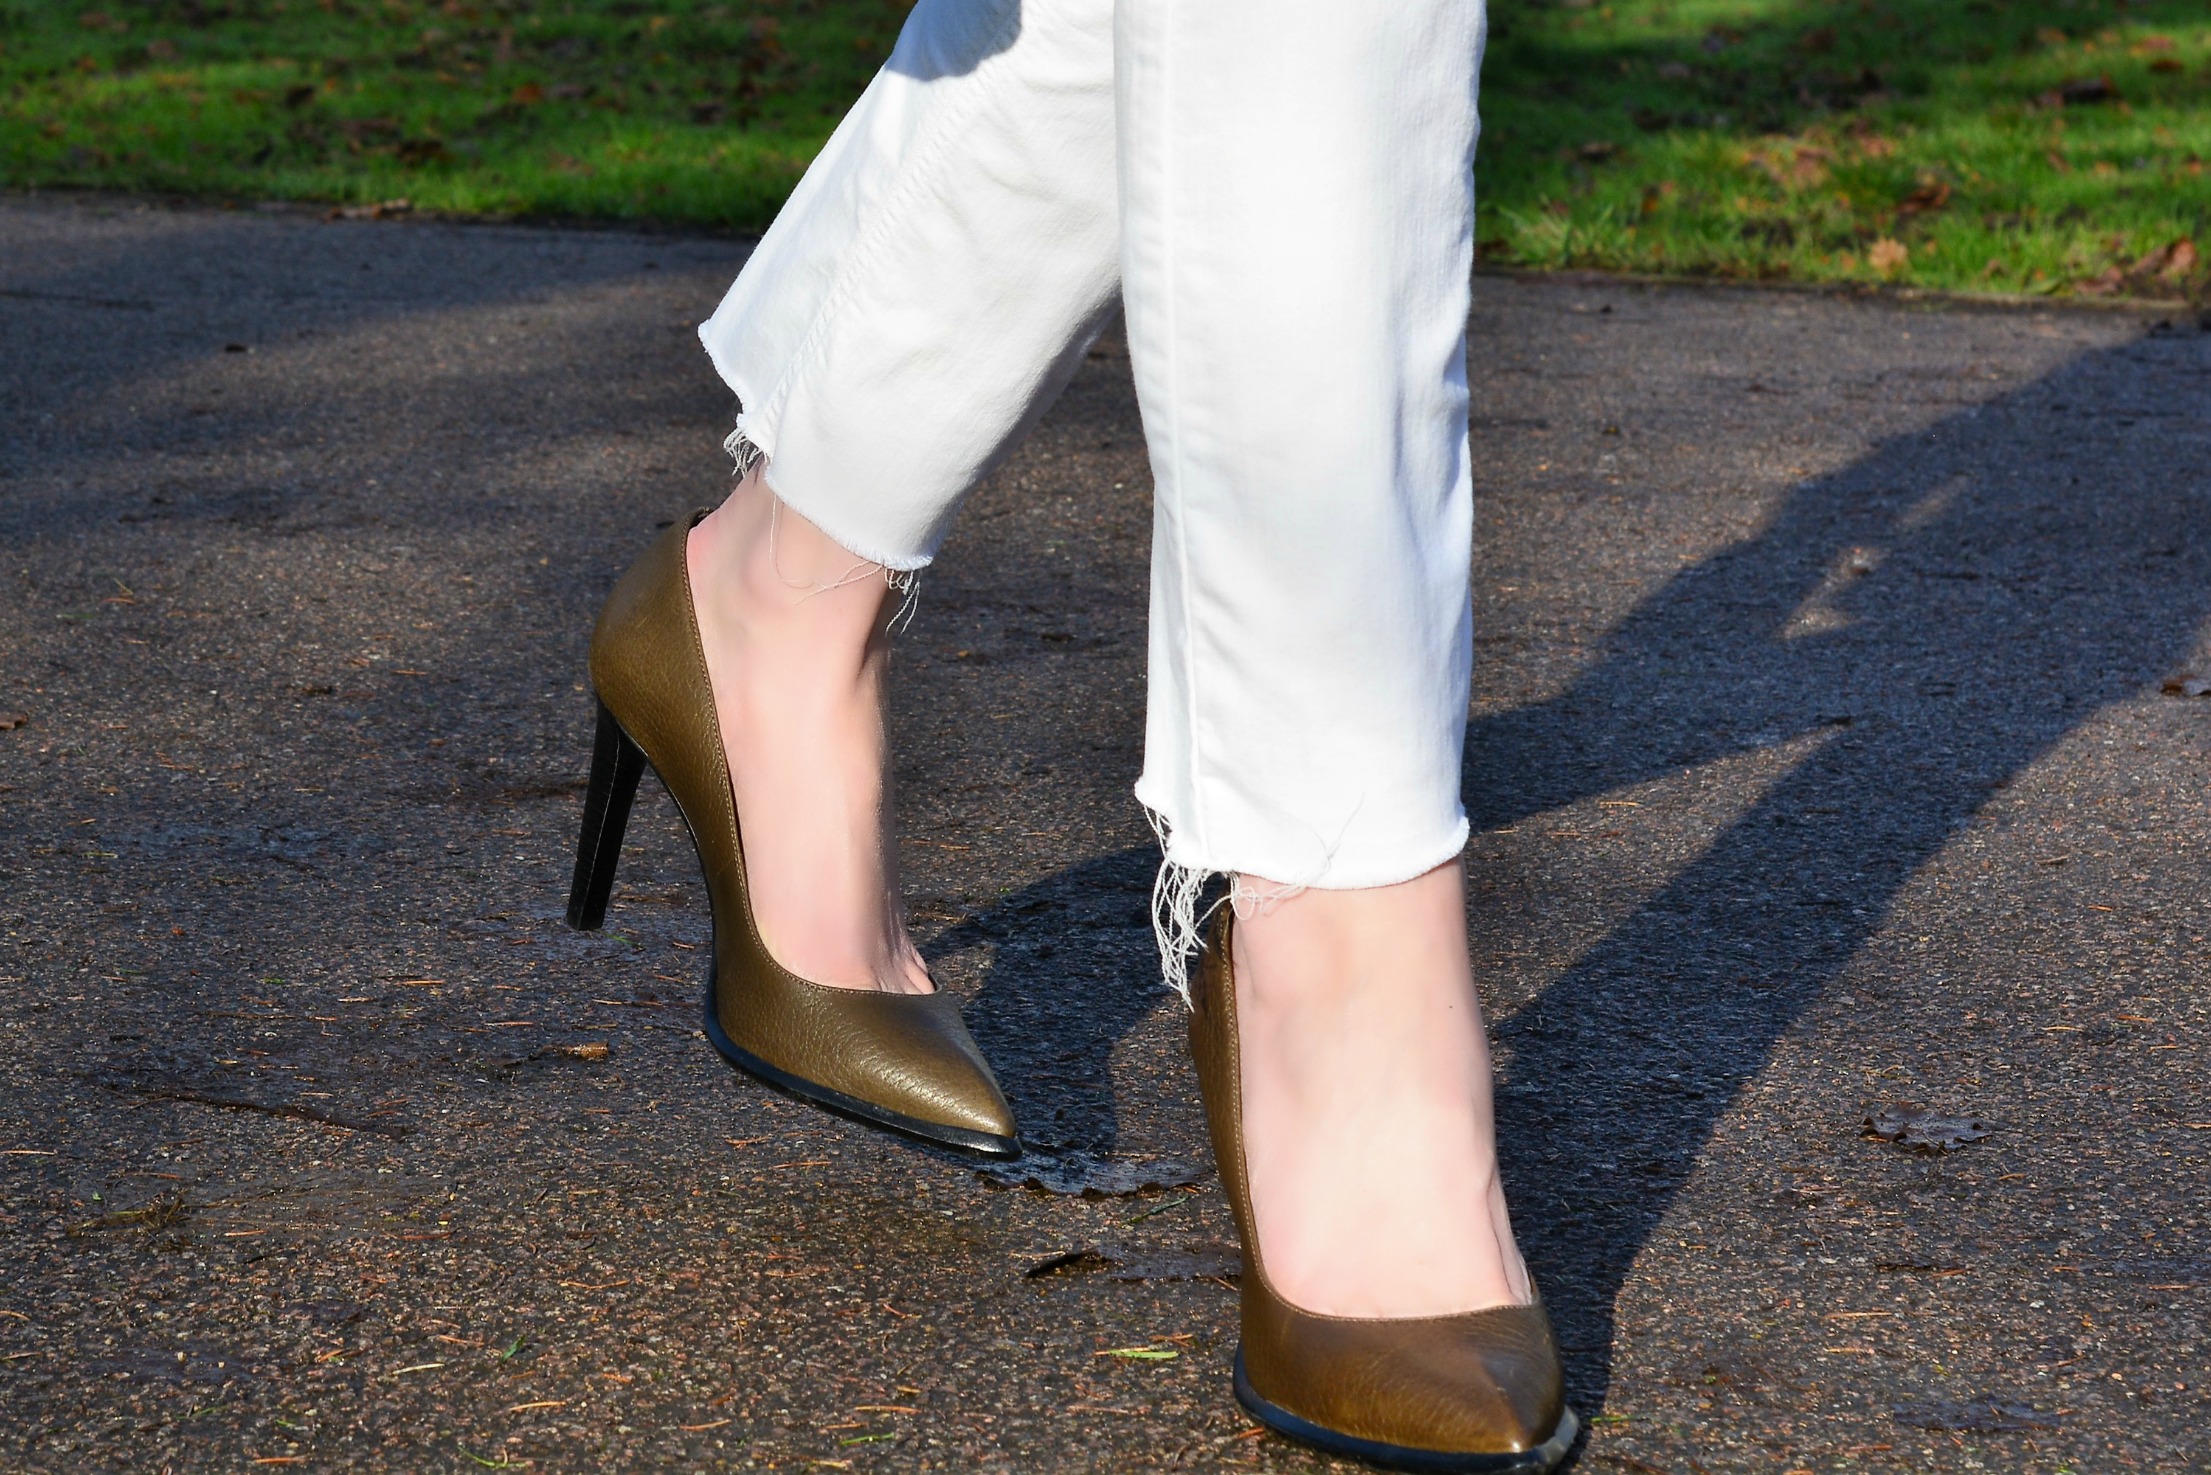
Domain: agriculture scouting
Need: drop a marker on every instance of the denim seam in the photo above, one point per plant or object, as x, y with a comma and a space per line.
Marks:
1175, 918
919, 168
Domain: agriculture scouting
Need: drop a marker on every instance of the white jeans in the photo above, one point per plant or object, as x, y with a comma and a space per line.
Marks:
1281, 192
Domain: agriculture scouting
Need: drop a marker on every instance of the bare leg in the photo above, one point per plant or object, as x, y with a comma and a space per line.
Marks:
793, 628
1367, 1125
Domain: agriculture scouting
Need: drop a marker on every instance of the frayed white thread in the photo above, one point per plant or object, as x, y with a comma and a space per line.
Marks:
1178, 927
1249, 897
906, 581
743, 452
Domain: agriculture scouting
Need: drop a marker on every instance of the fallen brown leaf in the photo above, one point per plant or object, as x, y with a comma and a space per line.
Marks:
1910, 1125
2170, 262
381, 210
1931, 193
1790, 164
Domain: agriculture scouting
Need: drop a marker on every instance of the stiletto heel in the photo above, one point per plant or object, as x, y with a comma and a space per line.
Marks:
903, 1062
616, 765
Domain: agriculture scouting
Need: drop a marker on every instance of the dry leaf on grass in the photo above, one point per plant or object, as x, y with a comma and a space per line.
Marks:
2168, 263
1789, 163
1931, 192
1889, 257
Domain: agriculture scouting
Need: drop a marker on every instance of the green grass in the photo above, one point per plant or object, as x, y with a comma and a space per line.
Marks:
685, 112
1928, 141
1921, 140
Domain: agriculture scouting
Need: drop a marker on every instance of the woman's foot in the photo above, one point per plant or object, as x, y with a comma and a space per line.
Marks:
1368, 1137
794, 631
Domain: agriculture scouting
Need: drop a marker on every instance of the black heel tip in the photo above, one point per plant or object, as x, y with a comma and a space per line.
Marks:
617, 764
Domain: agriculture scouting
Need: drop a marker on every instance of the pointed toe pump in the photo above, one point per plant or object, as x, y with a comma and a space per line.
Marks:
1479, 1391
903, 1062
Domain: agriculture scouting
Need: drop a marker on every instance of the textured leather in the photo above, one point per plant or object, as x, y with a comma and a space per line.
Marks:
1479, 1382
909, 1054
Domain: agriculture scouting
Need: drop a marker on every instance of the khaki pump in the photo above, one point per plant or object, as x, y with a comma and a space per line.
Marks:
903, 1062
1478, 1393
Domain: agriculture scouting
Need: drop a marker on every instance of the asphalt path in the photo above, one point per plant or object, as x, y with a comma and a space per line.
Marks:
1838, 746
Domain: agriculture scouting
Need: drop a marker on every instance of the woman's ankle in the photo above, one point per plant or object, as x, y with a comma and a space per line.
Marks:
768, 571
1315, 939
792, 627
1368, 1129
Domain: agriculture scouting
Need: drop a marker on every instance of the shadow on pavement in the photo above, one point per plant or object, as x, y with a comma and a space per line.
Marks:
1933, 619
161, 319
1072, 972
381, 795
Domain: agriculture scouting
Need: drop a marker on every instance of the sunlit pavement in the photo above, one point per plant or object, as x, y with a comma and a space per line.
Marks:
1822, 759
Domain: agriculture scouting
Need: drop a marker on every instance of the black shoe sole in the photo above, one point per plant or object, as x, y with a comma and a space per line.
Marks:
1543, 1458
936, 1134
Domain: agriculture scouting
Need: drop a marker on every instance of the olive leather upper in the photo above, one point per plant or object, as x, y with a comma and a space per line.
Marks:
909, 1054
1472, 1383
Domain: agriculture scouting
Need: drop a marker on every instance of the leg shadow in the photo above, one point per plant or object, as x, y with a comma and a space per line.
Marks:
2019, 582
1072, 971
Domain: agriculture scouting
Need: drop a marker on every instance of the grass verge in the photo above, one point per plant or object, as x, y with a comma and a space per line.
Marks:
693, 113
2053, 146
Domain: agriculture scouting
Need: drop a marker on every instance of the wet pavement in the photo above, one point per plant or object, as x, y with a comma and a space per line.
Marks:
1838, 743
